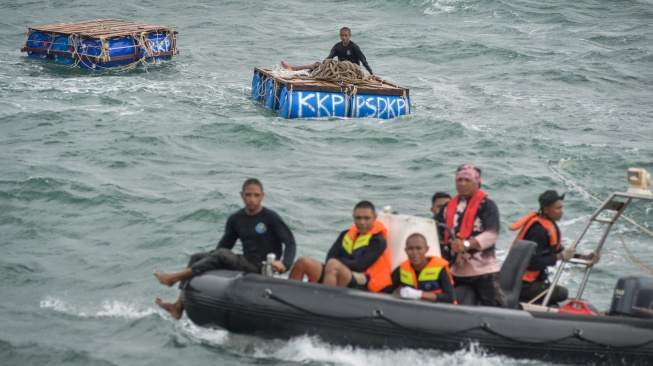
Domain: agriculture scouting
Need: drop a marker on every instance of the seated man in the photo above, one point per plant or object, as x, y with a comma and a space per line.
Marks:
542, 229
359, 258
420, 277
260, 230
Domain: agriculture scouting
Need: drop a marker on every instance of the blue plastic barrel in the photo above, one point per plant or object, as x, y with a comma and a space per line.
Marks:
283, 96
312, 104
271, 95
379, 106
62, 43
117, 47
158, 42
256, 87
41, 41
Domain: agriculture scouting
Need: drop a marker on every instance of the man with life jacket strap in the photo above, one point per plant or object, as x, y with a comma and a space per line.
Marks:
420, 277
474, 220
541, 228
359, 258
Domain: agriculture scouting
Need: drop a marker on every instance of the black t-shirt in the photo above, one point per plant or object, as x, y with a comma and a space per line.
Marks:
371, 253
351, 52
259, 234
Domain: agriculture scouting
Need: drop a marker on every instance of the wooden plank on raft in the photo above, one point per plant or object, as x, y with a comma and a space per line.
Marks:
385, 88
105, 28
100, 30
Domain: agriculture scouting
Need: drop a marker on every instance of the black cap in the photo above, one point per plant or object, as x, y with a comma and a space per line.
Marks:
549, 197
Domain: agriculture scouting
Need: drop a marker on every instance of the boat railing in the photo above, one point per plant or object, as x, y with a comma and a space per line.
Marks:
610, 211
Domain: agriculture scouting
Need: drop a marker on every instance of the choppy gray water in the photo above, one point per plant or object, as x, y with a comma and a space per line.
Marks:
105, 177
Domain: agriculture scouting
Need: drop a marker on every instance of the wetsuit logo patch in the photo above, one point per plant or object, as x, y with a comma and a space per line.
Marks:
348, 52
261, 228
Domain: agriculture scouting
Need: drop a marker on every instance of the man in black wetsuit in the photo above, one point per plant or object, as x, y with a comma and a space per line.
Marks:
260, 230
345, 51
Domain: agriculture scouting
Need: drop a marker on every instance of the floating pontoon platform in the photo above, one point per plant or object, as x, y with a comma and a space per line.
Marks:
99, 44
312, 98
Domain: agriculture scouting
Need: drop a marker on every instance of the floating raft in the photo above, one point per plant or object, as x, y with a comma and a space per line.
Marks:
311, 98
99, 44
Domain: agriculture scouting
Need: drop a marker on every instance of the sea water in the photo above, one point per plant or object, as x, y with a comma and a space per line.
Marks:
108, 176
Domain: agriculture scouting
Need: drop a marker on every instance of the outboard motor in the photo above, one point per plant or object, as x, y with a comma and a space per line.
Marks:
633, 296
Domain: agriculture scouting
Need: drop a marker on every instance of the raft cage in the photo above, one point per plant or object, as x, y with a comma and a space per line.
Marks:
101, 44
310, 98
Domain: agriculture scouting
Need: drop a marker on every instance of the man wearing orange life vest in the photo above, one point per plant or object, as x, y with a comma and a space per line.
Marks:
359, 258
542, 229
474, 220
420, 277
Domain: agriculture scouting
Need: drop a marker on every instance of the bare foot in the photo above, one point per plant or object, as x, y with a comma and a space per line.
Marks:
175, 309
285, 65
165, 279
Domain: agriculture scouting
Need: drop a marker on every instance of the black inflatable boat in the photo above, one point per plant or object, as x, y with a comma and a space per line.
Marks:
279, 308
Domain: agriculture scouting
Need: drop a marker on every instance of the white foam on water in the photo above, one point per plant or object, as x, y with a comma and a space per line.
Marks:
106, 309
443, 6
203, 335
312, 350
308, 350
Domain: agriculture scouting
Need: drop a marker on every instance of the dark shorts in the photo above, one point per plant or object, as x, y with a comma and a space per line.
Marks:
219, 259
358, 280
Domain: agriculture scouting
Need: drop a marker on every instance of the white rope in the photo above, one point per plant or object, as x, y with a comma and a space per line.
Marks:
629, 254
282, 73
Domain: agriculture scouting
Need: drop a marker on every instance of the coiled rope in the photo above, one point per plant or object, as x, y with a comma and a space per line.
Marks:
631, 257
342, 72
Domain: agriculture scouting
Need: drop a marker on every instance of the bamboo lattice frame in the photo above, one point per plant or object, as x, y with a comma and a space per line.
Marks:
102, 30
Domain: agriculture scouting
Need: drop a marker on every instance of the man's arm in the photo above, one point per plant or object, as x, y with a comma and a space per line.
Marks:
448, 291
334, 251
334, 51
230, 235
362, 59
396, 281
286, 237
544, 254
373, 251
491, 226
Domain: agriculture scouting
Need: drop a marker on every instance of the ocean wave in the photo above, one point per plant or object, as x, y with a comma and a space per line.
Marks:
311, 350
106, 309
35, 353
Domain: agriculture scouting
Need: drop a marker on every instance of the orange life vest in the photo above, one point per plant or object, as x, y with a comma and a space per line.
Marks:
379, 272
467, 224
525, 223
428, 276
